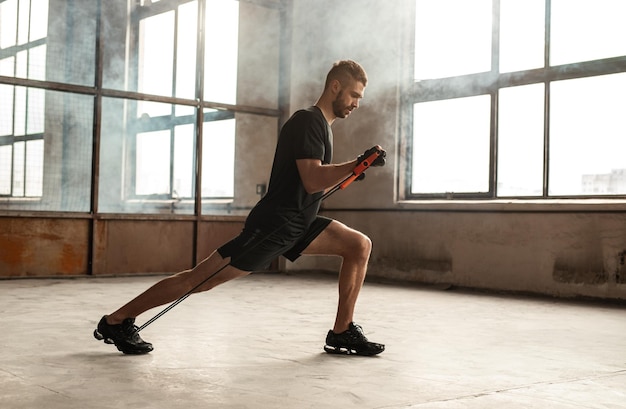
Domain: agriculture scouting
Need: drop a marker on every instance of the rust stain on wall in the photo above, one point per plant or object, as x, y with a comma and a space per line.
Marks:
11, 251
70, 261
41, 247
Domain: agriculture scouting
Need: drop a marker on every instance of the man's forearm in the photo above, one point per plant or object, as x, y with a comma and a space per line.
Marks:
317, 177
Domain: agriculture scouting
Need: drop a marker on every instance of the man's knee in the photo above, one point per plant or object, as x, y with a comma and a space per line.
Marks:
360, 245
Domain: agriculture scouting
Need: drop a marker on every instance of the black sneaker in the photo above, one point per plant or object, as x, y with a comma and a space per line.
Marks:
351, 341
124, 336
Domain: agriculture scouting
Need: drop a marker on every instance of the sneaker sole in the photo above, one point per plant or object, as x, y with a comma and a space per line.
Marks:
100, 337
349, 351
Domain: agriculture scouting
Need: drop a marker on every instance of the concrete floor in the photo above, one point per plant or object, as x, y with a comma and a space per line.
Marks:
257, 343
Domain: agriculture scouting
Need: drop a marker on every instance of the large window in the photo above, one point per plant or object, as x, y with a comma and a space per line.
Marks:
160, 141
518, 99
23, 32
132, 106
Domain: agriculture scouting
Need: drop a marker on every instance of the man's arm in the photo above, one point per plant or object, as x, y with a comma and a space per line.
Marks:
317, 177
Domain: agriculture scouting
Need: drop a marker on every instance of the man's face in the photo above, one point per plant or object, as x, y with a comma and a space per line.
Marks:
348, 98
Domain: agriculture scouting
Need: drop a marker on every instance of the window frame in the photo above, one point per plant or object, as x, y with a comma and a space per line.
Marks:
104, 87
489, 83
171, 121
12, 139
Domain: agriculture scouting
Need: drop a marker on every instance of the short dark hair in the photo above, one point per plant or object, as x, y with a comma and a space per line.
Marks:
344, 71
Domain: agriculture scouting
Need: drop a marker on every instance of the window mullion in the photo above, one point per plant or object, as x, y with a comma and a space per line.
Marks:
199, 127
495, 69
173, 106
493, 154
546, 103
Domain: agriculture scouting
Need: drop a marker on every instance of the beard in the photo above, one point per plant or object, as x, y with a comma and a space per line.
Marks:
340, 110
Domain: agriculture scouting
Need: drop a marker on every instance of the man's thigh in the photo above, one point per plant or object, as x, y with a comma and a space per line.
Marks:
335, 239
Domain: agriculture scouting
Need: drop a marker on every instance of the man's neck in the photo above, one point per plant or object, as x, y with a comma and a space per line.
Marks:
327, 110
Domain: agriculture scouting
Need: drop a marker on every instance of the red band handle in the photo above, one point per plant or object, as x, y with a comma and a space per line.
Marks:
361, 167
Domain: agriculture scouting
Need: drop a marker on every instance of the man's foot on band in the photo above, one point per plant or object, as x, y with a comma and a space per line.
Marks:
351, 341
124, 336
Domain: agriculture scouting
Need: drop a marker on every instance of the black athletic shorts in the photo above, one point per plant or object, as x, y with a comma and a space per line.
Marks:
254, 250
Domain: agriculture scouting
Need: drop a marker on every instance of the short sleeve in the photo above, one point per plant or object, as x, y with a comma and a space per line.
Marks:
309, 137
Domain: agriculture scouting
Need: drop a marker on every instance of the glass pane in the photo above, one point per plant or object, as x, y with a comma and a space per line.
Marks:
583, 30
153, 163
19, 114
8, 23
38, 19
221, 36
118, 71
7, 66
183, 161
452, 37
113, 155
6, 109
50, 43
218, 170
34, 168
22, 21
451, 146
147, 66
21, 64
186, 50
156, 54
6, 153
54, 164
37, 63
142, 169
67, 149
156, 49
588, 136
259, 72
520, 141
36, 110
18, 168
522, 34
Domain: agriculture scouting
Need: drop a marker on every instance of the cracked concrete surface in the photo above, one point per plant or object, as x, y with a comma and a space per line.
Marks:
257, 343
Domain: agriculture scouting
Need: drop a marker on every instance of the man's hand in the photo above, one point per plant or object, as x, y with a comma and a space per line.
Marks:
379, 161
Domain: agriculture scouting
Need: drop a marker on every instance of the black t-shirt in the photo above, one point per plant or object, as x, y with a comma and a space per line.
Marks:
306, 135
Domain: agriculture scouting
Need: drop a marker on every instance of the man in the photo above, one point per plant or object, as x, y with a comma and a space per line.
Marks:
284, 222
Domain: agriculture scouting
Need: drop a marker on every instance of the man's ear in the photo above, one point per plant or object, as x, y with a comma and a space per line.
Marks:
335, 86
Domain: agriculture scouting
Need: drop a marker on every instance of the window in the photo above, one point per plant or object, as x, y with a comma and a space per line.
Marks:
520, 140
221, 37
447, 42
23, 31
444, 133
588, 136
219, 154
149, 146
132, 108
166, 132
517, 99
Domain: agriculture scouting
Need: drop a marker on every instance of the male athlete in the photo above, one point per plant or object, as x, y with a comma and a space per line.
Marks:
301, 172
